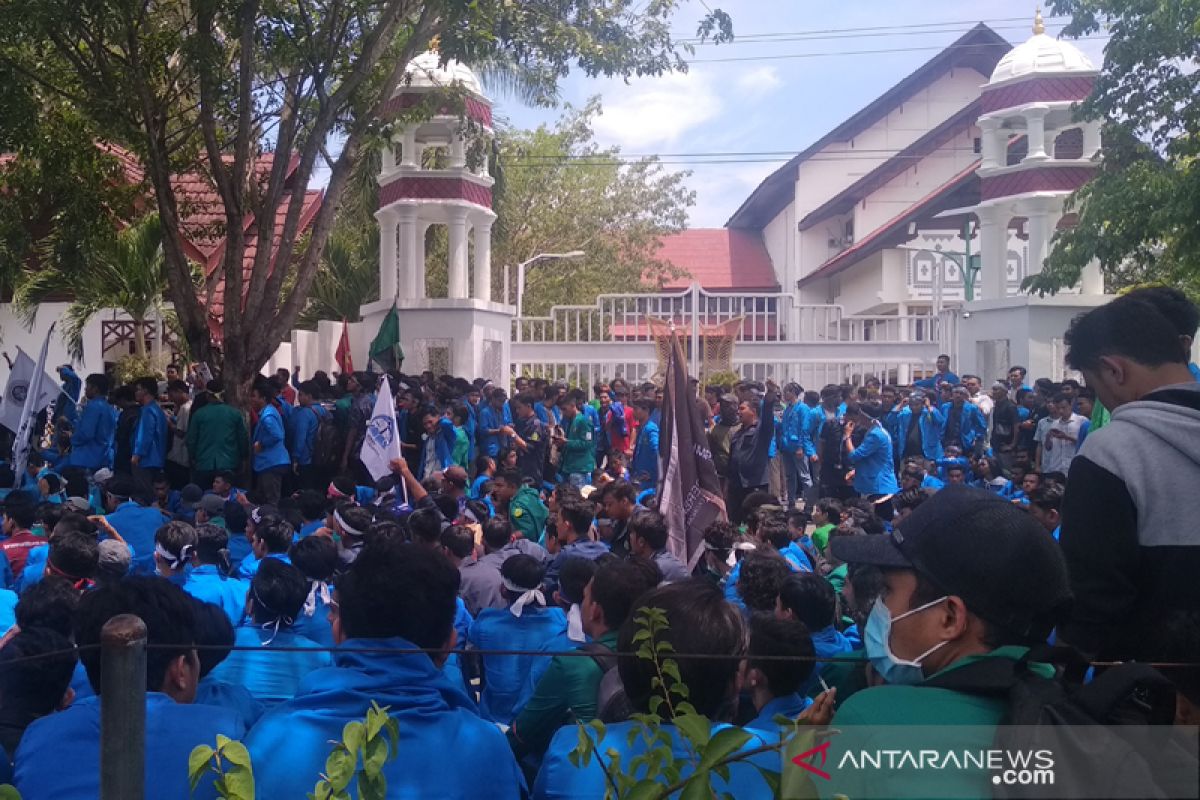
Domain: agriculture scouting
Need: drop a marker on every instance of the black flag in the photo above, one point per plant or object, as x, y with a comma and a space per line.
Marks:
689, 492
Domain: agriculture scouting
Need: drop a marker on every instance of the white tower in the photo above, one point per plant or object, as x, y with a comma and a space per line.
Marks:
464, 333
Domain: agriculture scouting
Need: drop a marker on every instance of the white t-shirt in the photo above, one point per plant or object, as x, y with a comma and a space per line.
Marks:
1058, 452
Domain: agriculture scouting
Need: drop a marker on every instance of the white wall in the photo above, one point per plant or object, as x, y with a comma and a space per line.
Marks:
861, 286
14, 334
779, 237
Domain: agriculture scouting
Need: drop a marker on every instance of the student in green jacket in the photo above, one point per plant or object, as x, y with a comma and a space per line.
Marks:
523, 505
968, 578
577, 446
217, 438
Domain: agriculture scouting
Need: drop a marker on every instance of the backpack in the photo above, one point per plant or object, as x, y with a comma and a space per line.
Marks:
328, 442
1111, 737
612, 704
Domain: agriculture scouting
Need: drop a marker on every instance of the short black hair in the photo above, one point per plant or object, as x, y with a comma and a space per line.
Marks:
1048, 496
911, 499
425, 525
212, 546
720, 536
276, 533
650, 526
278, 590
24, 514
699, 621
75, 554
773, 528
459, 540
178, 538
811, 598
574, 575
579, 514
622, 490
497, 532
1128, 326
312, 505
781, 637
398, 589
148, 385
99, 381
49, 603
762, 575
316, 557
36, 666
1173, 304
616, 586
522, 570
510, 475
214, 632
167, 610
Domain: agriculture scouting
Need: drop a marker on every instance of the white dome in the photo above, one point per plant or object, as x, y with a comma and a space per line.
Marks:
426, 71
1041, 54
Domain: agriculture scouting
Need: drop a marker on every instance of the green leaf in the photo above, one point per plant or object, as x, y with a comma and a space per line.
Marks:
724, 744
655, 703
695, 728
641, 635
236, 753
198, 764
9, 792
646, 789
770, 777
239, 784
339, 767
353, 735
375, 755
671, 669
697, 787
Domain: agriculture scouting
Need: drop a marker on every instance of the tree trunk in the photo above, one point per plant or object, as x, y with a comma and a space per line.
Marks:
139, 335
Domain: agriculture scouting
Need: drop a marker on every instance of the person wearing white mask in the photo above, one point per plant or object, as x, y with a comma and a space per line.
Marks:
971, 583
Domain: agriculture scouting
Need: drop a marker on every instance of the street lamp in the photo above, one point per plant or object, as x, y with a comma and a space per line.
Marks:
539, 257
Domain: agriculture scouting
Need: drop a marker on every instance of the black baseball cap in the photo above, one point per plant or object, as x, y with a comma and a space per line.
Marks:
978, 546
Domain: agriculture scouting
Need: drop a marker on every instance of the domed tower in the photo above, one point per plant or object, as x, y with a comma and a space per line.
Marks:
1030, 94
434, 172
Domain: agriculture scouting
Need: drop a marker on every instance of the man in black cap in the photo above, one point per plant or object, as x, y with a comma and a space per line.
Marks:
968, 579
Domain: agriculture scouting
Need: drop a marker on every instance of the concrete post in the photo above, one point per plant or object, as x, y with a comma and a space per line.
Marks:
1035, 122
122, 709
483, 260
389, 272
458, 253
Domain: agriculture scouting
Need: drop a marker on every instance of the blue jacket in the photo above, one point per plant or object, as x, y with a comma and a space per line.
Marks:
593, 416
317, 626
59, 756
645, 456
206, 583
268, 434
150, 437
559, 778
236, 698
813, 425
937, 380
793, 429
92, 441
443, 447
546, 415
489, 420
137, 525
790, 706
874, 470
973, 427
302, 432
68, 396
581, 549
932, 423
437, 719
505, 688
827, 643
271, 675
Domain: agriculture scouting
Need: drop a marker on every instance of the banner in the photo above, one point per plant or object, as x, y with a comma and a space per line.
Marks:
39, 386
345, 363
17, 390
381, 445
690, 491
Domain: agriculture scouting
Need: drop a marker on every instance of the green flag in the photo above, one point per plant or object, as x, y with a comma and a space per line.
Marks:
385, 348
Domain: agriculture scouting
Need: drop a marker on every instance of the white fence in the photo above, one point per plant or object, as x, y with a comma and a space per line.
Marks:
776, 337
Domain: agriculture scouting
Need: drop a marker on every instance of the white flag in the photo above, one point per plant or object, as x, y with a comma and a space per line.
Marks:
381, 445
18, 389
38, 384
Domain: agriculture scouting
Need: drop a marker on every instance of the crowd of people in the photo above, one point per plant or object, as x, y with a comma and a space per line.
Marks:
882, 543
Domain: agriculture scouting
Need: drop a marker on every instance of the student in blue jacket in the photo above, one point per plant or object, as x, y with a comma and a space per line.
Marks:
644, 467
777, 687
874, 474
923, 441
59, 756
136, 522
271, 459
277, 658
149, 453
317, 559
398, 597
301, 428
215, 632
964, 426
525, 624
437, 444
699, 621
92, 438
209, 579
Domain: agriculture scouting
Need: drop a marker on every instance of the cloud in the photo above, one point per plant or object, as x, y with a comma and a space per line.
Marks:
721, 188
759, 82
656, 111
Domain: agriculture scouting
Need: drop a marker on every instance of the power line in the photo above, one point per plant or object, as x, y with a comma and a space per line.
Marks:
849, 33
787, 56
951, 24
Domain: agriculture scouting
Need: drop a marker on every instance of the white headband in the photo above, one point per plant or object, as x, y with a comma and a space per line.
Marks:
173, 561
527, 596
575, 624
345, 526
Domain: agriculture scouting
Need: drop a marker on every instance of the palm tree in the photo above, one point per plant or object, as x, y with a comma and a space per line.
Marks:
348, 278
126, 272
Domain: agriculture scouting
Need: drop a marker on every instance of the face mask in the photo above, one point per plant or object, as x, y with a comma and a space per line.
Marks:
879, 647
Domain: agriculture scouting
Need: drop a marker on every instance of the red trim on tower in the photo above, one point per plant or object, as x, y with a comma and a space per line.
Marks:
1040, 179
427, 188
1036, 90
476, 109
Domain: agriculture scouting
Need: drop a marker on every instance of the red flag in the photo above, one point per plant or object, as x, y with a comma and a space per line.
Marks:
344, 362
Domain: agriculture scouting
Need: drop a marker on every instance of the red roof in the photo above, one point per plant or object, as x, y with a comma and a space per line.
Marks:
720, 260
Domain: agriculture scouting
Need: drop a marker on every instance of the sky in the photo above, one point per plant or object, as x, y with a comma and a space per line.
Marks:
775, 97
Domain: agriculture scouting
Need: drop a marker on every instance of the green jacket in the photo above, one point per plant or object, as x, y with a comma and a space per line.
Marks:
935, 718
461, 454
528, 514
217, 438
565, 694
579, 453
